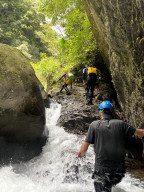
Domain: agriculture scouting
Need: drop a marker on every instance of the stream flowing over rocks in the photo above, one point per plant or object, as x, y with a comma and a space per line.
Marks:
57, 168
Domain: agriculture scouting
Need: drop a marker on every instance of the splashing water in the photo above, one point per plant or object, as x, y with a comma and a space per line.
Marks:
58, 169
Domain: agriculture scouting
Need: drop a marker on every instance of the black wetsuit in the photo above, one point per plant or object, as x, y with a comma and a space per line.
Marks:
89, 85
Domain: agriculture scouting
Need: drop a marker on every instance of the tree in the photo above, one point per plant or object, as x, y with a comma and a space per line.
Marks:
79, 40
47, 70
19, 26
49, 38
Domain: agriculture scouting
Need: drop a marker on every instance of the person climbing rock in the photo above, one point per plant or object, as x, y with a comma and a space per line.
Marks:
68, 81
109, 136
89, 76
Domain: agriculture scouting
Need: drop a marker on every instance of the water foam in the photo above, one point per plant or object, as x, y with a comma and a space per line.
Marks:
58, 169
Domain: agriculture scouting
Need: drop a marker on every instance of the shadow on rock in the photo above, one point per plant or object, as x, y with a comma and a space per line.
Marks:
15, 152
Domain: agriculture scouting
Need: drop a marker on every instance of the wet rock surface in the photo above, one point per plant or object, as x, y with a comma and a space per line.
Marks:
16, 152
22, 110
76, 115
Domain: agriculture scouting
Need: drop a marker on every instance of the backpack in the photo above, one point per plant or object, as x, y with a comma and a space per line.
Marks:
92, 70
71, 76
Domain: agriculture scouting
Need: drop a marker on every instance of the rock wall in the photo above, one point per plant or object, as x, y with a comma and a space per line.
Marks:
118, 26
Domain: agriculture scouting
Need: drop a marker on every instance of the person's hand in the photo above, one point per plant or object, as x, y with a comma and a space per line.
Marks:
80, 155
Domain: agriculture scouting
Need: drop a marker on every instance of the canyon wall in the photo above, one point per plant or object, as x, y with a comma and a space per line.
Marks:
118, 26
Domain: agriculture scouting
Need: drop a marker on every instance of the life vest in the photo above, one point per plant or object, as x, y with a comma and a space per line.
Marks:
71, 76
92, 70
68, 82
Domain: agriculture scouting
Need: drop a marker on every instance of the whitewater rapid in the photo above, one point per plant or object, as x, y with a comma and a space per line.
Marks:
58, 169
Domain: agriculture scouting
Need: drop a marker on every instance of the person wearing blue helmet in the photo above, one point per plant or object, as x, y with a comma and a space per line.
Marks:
108, 135
106, 109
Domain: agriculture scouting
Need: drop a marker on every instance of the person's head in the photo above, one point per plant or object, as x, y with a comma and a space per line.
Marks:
86, 65
106, 110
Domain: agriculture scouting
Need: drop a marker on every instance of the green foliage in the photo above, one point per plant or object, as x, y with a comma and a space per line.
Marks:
78, 40
48, 70
49, 38
62, 42
23, 25
55, 9
68, 51
20, 21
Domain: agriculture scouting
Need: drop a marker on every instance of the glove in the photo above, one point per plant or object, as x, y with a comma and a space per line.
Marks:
79, 154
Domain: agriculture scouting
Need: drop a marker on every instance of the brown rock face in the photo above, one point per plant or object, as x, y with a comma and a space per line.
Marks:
119, 30
22, 111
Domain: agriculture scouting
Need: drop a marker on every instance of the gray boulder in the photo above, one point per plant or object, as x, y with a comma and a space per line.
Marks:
22, 111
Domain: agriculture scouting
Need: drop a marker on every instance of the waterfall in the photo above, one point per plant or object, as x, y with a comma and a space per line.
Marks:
58, 169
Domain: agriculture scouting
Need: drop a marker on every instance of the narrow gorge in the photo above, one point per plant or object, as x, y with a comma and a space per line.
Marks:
118, 27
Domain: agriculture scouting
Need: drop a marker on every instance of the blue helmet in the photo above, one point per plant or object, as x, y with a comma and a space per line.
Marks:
106, 105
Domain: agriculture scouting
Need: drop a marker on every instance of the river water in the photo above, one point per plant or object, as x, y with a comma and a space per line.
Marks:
58, 169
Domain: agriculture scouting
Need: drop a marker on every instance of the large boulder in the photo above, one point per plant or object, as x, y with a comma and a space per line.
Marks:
119, 31
22, 111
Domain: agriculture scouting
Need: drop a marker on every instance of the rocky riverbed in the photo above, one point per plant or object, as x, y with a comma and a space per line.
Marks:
76, 115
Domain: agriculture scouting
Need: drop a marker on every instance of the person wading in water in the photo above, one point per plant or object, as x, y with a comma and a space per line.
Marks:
109, 136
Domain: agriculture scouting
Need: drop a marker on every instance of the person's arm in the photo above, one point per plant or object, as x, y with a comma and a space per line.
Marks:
139, 132
83, 149
62, 76
88, 140
84, 72
83, 82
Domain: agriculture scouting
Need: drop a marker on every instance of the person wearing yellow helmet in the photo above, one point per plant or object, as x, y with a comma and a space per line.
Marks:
109, 137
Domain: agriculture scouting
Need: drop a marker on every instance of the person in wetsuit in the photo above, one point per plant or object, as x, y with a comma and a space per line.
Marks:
89, 76
108, 135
